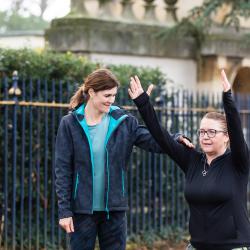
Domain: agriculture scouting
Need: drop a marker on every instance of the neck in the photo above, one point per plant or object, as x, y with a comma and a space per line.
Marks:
92, 115
211, 156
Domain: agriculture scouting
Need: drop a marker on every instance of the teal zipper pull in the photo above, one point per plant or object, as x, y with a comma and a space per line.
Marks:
108, 215
76, 185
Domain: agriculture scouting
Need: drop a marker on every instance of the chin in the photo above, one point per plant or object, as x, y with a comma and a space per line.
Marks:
207, 150
105, 110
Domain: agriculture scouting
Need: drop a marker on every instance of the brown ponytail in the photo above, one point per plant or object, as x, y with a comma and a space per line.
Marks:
77, 98
101, 79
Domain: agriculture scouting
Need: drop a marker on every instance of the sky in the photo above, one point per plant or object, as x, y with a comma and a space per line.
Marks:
57, 8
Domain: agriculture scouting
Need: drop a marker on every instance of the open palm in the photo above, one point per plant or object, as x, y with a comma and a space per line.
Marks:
135, 88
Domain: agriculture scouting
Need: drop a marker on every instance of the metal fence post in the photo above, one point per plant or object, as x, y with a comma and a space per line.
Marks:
14, 92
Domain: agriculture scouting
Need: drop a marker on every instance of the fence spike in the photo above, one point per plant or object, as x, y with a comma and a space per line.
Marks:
15, 90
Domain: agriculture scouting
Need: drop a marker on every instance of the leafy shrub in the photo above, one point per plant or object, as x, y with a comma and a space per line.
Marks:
68, 66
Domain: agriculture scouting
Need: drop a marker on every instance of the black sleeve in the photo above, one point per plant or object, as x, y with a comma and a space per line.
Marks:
239, 149
143, 139
178, 152
63, 170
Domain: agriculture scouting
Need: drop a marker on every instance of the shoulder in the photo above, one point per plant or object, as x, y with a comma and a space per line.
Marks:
130, 120
67, 119
117, 112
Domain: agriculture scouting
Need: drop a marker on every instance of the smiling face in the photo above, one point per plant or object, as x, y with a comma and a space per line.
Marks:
103, 99
217, 144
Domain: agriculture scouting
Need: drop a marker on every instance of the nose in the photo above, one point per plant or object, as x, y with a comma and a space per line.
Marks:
206, 134
206, 137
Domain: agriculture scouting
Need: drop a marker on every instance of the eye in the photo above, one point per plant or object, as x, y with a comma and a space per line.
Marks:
201, 132
212, 131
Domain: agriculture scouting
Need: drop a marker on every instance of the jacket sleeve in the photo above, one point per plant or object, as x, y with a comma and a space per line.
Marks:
239, 148
178, 152
63, 170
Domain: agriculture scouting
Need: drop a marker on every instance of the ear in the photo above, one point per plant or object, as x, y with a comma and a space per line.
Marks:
91, 92
226, 139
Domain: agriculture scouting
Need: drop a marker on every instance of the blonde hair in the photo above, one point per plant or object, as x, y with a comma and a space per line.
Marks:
100, 79
221, 118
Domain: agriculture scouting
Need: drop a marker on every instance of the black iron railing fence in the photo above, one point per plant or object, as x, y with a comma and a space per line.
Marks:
30, 111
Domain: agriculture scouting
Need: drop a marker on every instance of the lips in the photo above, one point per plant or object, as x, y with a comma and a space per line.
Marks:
206, 145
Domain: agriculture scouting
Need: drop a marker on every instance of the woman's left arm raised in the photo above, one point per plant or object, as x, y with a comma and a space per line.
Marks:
238, 144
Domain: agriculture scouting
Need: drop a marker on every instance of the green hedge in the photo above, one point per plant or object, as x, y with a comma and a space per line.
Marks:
67, 66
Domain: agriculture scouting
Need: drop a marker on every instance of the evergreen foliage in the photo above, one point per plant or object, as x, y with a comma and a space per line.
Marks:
68, 67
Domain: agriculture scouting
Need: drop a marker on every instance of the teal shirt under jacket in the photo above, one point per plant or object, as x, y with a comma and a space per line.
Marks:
98, 135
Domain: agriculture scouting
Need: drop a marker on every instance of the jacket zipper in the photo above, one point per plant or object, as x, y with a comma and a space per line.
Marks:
107, 165
92, 162
107, 169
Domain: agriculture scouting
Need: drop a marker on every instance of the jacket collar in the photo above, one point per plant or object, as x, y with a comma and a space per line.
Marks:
218, 158
114, 111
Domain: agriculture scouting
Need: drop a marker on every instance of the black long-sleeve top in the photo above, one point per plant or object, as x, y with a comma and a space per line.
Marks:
218, 201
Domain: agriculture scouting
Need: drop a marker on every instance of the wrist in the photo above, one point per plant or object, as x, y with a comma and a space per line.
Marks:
141, 99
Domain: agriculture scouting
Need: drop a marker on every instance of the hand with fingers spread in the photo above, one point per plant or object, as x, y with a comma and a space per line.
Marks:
136, 89
67, 224
225, 83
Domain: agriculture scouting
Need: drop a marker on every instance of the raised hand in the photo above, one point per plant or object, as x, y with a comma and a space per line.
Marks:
225, 83
136, 89
67, 224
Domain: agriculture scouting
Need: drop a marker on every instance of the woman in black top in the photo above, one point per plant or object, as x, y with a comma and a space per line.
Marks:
216, 178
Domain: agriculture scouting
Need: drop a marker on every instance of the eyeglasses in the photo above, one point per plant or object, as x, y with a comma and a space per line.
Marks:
211, 133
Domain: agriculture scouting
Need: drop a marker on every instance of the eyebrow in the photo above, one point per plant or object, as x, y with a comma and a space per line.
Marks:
111, 94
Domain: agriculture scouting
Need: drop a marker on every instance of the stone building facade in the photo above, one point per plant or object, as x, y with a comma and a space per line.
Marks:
127, 32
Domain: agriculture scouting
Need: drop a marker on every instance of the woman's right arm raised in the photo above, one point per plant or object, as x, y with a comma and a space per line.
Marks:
179, 153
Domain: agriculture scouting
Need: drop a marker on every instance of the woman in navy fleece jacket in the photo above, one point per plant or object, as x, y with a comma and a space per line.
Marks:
93, 146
